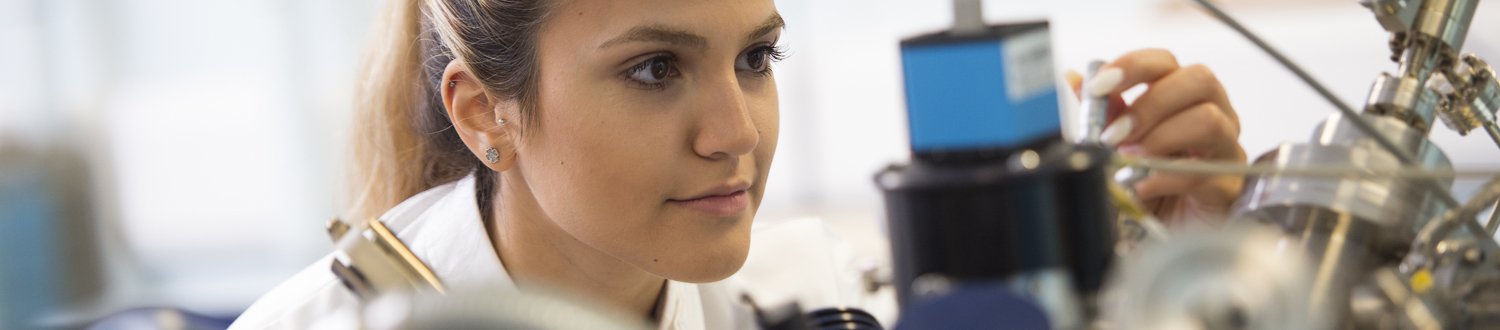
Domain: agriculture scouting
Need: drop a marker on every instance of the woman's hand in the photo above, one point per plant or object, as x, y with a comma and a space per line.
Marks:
1184, 114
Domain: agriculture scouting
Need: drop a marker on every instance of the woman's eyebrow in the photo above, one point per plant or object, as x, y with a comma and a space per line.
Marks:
670, 35
771, 24
658, 33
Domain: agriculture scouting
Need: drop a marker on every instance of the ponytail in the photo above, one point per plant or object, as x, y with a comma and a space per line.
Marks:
403, 142
388, 154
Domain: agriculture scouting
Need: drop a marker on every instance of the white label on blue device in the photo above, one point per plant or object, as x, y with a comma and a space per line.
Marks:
1028, 65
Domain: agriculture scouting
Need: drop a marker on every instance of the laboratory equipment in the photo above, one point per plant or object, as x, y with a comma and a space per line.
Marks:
993, 197
1355, 228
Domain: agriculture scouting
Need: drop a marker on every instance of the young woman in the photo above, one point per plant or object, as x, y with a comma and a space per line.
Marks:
619, 149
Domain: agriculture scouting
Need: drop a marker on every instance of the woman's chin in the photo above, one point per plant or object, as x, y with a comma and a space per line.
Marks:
709, 274
708, 267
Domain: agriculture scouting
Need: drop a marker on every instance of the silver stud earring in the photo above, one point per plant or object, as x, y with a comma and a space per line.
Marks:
493, 155
452, 83
500, 121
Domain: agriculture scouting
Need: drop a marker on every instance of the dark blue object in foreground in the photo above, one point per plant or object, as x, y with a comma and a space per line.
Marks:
978, 306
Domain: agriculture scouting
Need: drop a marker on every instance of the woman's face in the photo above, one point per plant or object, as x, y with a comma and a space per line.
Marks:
658, 122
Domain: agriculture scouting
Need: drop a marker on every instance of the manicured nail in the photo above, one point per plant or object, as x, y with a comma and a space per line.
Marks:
1117, 131
1104, 81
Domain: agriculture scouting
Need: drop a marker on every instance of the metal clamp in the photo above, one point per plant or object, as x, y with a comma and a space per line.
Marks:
374, 261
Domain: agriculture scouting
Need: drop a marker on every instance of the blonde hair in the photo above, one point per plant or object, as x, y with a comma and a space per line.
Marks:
403, 142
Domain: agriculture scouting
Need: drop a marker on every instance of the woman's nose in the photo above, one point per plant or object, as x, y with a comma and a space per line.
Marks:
726, 128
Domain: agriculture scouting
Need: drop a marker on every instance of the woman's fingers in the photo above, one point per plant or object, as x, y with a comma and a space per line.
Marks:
1201, 131
1207, 190
1184, 114
1075, 81
1178, 91
1134, 68
1116, 103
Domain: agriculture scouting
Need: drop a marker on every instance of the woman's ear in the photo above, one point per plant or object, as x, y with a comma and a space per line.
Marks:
483, 122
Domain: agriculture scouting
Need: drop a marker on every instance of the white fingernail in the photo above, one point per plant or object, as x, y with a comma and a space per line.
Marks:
1117, 131
1104, 81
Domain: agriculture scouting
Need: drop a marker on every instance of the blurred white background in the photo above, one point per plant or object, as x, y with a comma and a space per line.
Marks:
211, 130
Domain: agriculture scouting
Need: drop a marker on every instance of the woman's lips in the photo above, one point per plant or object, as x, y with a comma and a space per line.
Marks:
718, 205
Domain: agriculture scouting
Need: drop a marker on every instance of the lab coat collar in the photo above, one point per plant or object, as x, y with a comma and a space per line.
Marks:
442, 226
682, 308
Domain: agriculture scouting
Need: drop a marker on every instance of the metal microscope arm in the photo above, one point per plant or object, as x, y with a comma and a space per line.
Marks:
1426, 37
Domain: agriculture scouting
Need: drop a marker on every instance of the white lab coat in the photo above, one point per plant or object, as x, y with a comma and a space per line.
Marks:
794, 260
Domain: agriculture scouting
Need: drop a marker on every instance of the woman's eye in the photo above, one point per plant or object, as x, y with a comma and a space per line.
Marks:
758, 60
654, 71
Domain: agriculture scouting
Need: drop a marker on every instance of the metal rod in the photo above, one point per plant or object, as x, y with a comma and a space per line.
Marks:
1095, 109
968, 17
1489, 227
1226, 168
1443, 223
1443, 194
